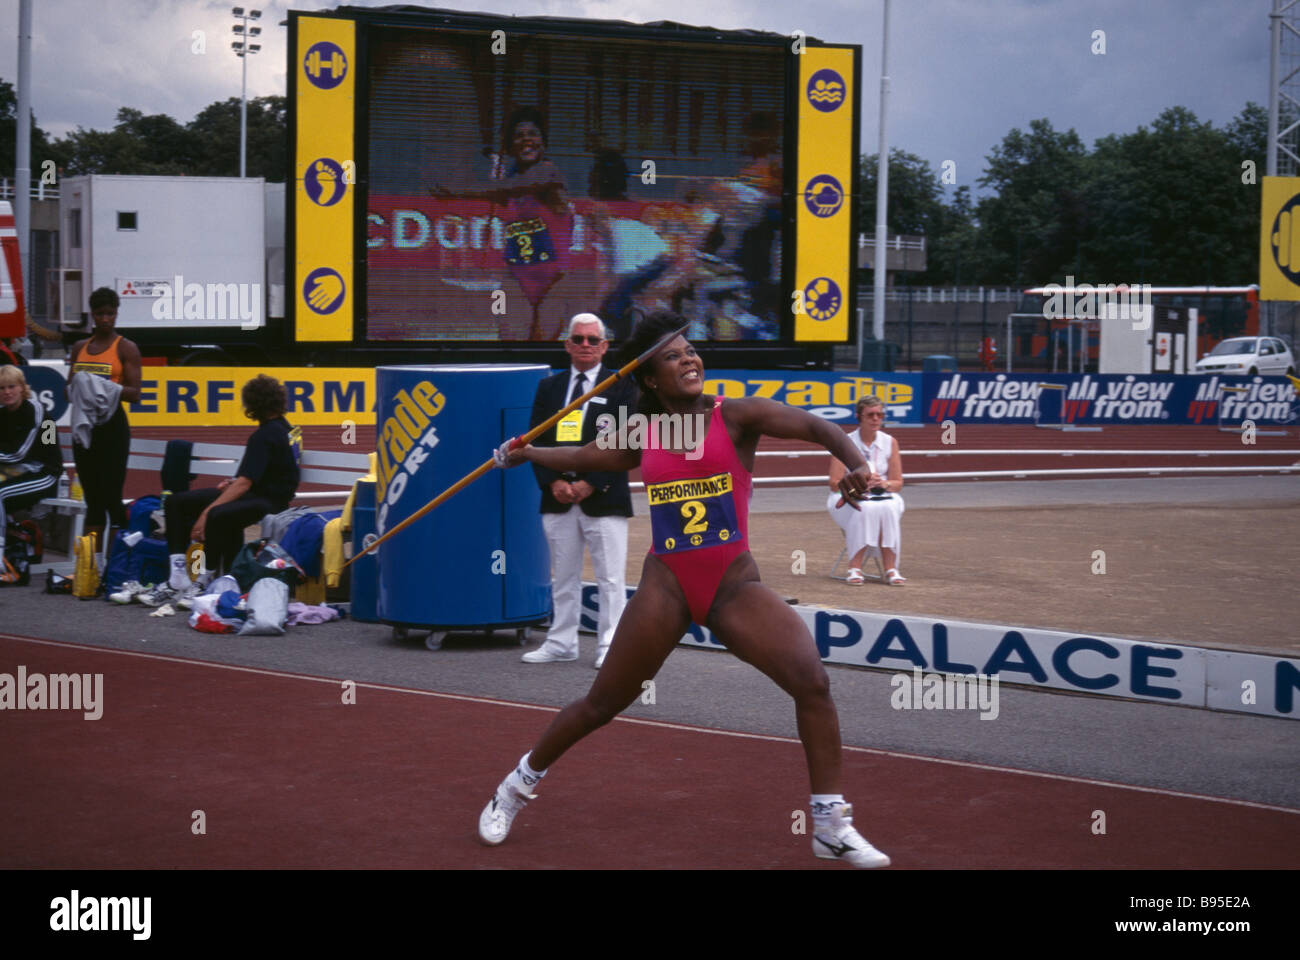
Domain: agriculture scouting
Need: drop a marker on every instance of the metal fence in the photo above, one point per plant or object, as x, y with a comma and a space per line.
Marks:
953, 322
946, 321
39, 191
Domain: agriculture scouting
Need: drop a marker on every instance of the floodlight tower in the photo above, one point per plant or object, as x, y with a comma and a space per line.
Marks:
243, 49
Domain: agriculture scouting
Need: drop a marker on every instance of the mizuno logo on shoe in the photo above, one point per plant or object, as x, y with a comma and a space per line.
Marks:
838, 849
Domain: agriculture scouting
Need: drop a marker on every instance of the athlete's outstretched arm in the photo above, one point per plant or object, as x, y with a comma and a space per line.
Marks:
538, 179
584, 459
758, 416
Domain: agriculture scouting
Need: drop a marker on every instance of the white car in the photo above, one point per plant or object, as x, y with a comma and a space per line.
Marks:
1247, 356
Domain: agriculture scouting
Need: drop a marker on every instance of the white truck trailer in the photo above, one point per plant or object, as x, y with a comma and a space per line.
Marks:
188, 256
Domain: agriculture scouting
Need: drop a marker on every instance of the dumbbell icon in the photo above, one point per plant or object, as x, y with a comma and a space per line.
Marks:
316, 65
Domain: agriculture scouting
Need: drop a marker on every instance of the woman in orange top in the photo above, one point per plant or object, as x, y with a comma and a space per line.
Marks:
102, 465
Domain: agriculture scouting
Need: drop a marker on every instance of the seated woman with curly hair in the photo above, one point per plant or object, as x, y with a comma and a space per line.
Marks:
264, 482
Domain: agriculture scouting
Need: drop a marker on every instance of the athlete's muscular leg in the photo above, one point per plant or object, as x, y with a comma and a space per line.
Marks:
653, 621
762, 629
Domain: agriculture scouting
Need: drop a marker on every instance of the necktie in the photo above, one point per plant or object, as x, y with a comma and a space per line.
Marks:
579, 387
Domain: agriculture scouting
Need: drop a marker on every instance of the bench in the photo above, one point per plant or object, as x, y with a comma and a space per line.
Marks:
327, 468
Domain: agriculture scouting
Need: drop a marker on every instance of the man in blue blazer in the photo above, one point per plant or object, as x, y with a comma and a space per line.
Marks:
589, 509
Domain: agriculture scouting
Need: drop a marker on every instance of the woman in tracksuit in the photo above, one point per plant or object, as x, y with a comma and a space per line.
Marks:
29, 467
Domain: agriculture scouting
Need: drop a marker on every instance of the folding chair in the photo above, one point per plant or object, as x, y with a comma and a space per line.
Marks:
873, 553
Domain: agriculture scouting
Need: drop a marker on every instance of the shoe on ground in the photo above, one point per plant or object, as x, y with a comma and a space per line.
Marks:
156, 597
165, 593
495, 820
549, 653
164, 611
129, 591
855, 577
894, 578
841, 842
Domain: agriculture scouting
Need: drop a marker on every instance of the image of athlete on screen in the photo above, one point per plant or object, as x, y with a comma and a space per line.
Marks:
537, 228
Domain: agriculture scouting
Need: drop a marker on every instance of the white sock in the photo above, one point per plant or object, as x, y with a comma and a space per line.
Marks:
526, 773
179, 578
823, 804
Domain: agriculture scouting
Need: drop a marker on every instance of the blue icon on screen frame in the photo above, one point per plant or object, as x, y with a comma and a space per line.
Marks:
325, 65
315, 186
826, 90
317, 294
824, 196
822, 298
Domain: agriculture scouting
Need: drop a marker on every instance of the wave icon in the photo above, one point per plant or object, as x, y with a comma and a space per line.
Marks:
826, 92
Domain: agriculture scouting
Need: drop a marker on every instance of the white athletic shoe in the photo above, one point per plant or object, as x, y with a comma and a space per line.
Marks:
162, 593
841, 842
495, 820
549, 653
165, 593
129, 591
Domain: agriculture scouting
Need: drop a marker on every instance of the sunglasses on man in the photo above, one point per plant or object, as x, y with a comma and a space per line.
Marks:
590, 340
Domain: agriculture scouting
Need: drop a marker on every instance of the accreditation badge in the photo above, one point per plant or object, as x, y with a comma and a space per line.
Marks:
569, 429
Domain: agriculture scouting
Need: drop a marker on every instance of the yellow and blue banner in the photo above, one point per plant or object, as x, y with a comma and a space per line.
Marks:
321, 276
824, 251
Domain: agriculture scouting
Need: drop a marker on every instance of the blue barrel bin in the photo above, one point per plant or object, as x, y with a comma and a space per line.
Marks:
364, 571
479, 561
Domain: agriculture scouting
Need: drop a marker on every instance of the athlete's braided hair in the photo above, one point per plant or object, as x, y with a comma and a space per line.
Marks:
644, 334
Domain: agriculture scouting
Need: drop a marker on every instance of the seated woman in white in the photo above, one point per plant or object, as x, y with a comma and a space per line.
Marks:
876, 521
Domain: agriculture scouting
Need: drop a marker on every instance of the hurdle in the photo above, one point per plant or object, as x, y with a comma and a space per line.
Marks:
1038, 411
1223, 388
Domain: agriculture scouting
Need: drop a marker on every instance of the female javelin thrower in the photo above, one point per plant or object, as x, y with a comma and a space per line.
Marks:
538, 226
700, 567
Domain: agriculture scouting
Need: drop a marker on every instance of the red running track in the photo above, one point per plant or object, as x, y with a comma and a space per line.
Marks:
288, 775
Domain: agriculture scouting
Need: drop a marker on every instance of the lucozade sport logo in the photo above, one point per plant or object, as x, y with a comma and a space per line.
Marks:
404, 441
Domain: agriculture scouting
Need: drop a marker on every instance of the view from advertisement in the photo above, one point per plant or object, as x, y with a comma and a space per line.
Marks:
510, 190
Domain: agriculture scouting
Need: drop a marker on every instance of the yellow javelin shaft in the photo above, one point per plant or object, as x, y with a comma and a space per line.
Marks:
523, 441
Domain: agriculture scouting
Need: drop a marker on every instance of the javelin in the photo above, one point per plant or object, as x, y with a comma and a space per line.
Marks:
527, 438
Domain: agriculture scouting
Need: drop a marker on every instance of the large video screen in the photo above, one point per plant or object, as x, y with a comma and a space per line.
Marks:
511, 189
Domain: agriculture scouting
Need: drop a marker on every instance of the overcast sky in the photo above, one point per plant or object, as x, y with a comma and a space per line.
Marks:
963, 72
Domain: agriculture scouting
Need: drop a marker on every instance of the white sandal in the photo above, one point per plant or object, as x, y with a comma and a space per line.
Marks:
893, 578
855, 577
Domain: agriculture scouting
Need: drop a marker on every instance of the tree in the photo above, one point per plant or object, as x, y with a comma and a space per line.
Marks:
41, 149
1169, 204
216, 133
916, 206
1033, 223
140, 145
206, 146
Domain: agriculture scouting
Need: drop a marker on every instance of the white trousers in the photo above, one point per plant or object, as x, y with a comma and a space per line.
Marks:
606, 540
875, 525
